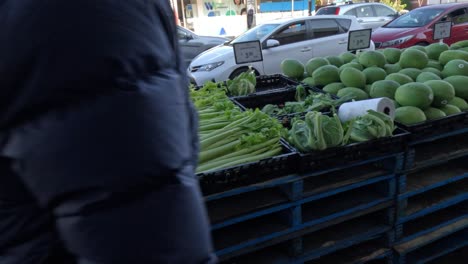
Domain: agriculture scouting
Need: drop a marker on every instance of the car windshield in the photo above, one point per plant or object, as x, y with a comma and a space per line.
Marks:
415, 18
255, 33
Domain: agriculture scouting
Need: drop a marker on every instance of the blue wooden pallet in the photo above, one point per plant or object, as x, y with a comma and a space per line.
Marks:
410, 207
420, 226
387, 181
253, 201
370, 251
437, 151
433, 245
363, 238
346, 202
388, 163
320, 181
323, 254
232, 242
236, 234
458, 256
256, 200
425, 180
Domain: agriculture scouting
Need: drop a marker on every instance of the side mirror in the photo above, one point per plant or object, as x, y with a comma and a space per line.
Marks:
184, 36
270, 43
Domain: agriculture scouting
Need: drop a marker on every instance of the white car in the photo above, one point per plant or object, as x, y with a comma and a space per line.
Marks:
295, 38
369, 15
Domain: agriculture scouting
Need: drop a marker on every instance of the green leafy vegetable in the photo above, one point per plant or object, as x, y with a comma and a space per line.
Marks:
228, 136
301, 93
306, 101
243, 84
370, 126
318, 131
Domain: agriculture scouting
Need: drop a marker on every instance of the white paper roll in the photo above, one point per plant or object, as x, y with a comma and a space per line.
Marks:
351, 110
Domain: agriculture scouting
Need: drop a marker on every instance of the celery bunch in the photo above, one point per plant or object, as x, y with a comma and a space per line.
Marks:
230, 137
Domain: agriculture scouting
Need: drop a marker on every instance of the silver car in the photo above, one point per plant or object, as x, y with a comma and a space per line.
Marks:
369, 15
192, 44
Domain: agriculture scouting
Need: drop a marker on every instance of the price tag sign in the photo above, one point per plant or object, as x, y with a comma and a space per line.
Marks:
249, 51
442, 30
359, 39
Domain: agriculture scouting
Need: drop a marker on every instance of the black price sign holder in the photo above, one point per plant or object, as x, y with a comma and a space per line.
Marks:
442, 30
249, 51
359, 39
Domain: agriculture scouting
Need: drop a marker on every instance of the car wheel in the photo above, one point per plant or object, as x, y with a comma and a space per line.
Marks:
236, 72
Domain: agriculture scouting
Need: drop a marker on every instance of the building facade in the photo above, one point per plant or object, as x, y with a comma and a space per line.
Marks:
229, 17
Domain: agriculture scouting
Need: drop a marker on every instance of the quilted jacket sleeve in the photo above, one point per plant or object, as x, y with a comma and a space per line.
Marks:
94, 100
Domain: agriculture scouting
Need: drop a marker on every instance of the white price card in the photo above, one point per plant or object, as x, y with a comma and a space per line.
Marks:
249, 51
442, 30
359, 39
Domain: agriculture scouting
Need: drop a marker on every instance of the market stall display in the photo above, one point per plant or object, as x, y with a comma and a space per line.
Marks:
367, 189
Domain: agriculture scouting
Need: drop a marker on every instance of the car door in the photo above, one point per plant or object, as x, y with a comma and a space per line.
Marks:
459, 20
329, 36
365, 16
293, 44
189, 44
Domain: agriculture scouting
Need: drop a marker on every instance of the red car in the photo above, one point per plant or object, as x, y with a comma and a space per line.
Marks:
416, 27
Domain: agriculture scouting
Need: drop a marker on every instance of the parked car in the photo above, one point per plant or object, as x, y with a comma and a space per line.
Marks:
369, 15
296, 38
192, 44
416, 27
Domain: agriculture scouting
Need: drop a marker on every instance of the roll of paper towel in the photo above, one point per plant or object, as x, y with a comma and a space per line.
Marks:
351, 110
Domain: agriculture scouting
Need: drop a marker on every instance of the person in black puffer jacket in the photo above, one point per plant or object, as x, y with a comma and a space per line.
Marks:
98, 141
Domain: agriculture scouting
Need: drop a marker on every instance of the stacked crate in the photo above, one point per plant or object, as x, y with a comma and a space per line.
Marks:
312, 207
432, 201
310, 215
397, 200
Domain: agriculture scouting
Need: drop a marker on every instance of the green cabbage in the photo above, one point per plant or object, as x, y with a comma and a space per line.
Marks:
316, 132
370, 126
243, 84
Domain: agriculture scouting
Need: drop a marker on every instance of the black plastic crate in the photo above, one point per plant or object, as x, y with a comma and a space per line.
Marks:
354, 152
435, 128
273, 82
279, 98
260, 100
267, 83
249, 173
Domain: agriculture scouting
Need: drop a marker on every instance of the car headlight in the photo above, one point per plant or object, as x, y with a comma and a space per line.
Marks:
207, 67
396, 41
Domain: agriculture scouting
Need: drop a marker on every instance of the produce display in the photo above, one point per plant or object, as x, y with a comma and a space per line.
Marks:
426, 83
319, 131
243, 84
229, 136
306, 100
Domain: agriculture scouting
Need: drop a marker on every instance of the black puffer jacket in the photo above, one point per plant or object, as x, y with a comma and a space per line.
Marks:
97, 136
